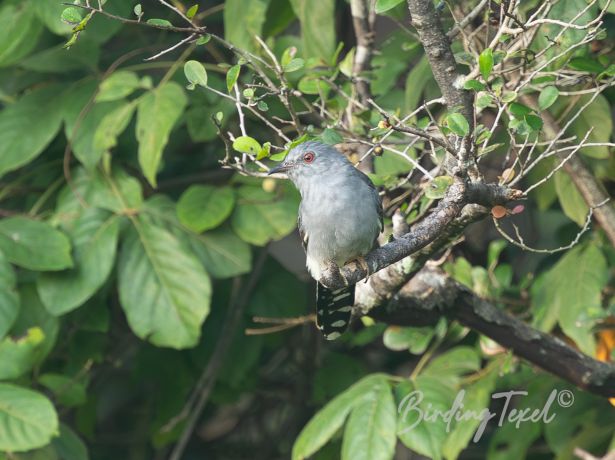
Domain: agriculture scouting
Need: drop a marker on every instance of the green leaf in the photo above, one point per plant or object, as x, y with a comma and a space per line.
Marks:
21, 140
246, 144
18, 356
547, 97
599, 109
294, 65
157, 113
519, 110
570, 198
317, 27
94, 236
222, 253
72, 15
138, 10
9, 298
456, 362
159, 22
426, 394
371, 429
118, 85
68, 446
585, 64
231, 76
28, 416
163, 288
474, 85
192, 11
485, 63
111, 126
195, 74
572, 304
438, 187
386, 5
243, 19
203, 207
332, 137
458, 124
414, 339
19, 31
260, 216
330, 418
68, 391
203, 40
34, 245
312, 85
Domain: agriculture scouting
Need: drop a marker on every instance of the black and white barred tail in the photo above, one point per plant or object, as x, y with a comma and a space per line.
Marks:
333, 310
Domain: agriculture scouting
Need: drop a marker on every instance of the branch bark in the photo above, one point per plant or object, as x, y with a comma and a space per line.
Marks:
431, 294
437, 47
363, 23
426, 231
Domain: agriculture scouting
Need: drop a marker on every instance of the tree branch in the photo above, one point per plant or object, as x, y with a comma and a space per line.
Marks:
431, 294
424, 232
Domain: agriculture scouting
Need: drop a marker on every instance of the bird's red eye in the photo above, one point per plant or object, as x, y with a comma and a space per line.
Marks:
308, 157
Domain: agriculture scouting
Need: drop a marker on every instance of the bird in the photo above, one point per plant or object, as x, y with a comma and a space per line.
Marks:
340, 218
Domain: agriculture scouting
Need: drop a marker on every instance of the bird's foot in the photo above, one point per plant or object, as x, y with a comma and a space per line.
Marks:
361, 262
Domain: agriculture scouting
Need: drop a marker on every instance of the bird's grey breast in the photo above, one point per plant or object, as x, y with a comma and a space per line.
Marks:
340, 217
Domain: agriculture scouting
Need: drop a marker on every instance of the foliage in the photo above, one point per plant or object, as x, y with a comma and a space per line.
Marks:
135, 219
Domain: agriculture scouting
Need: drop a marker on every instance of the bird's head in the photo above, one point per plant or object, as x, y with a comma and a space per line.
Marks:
310, 159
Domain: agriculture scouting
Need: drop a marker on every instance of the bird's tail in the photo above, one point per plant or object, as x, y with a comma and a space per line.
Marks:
333, 310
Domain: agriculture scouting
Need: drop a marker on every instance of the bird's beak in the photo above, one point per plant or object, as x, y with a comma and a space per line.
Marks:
281, 168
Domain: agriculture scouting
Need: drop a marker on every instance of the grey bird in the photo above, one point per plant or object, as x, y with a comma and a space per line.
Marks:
340, 218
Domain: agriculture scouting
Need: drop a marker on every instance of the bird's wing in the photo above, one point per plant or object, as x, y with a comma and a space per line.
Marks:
302, 232
368, 181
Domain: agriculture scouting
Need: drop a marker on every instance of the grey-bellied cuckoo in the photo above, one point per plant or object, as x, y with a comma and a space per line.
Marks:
340, 217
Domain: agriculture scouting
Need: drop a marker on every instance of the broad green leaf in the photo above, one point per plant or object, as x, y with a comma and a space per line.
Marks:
260, 216
585, 64
163, 288
600, 110
119, 193
485, 63
458, 124
195, 74
330, 418
231, 77
418, 79
68, 446
203, 207
456, 362
118, 85
159, 22
85, 53
222, 253
111, 126
294, 65
157, 113
313, 85
476, 398
574, 305
19, 31
9, 298
317, 27
386, 5
18, 355
330, 136
27, 419
50, 12
519, 110
68, 391
414, 339
34, 245
414, 399
570, 198
371, 429
21, 139
474, 85
246, 144
547, 97
94, 236
243, 19
72, 15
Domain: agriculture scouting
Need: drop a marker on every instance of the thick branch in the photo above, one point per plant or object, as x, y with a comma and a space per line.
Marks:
424, 232
432, 294
363, 23
442, 61
587, 184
